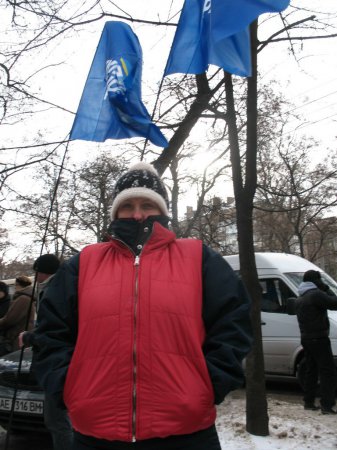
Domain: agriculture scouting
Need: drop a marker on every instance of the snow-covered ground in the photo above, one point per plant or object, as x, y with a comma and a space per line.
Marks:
290, 426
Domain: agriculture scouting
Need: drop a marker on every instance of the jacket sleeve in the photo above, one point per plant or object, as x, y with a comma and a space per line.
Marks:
226, 314
327, 301
56, 330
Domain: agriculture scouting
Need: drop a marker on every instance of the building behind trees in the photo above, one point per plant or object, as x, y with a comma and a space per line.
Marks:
273, 232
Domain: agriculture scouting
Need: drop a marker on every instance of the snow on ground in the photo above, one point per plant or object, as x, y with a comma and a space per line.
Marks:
290, 427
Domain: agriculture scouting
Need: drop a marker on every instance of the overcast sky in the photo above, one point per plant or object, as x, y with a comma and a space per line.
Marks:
308, 79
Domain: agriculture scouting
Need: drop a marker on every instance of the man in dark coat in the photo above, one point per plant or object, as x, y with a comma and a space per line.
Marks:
311, 310
55, 417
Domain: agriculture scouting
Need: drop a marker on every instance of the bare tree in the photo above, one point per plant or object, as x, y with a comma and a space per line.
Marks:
215, 225
4, 247
94, 184
80, 213
14, 268
297, 193
214, 173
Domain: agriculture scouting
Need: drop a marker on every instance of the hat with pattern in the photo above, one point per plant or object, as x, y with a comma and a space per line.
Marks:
141, 180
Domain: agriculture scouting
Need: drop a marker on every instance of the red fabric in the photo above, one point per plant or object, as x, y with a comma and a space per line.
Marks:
140, 327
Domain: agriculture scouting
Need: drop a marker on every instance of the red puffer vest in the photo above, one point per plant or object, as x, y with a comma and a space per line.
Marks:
138, 370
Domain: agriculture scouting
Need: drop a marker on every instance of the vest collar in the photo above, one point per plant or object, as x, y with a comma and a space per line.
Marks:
153, 232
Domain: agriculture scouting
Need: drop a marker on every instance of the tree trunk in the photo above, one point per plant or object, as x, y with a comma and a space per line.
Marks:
256, 400
200, 103
244, 183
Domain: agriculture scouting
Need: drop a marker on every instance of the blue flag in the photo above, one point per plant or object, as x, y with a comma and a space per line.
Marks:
111, 105
216, 32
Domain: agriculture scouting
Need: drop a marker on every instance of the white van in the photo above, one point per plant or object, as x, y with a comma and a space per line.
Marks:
280, 275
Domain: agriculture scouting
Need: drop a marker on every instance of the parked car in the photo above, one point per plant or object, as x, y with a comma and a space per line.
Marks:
280, 275
28, 413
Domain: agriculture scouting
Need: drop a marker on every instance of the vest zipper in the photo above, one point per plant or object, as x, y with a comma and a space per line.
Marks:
134, 352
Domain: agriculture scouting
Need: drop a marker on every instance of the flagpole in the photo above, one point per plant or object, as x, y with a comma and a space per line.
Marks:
152, 116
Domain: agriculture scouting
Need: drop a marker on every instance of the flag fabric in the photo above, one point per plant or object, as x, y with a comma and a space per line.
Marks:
111, 105
216, 32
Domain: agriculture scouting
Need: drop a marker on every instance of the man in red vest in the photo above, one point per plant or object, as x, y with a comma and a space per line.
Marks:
141, 336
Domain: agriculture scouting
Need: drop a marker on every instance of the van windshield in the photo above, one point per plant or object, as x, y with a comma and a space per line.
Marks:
297, 277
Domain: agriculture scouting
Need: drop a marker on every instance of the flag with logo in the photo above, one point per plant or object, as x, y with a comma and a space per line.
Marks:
111, 106
216, 32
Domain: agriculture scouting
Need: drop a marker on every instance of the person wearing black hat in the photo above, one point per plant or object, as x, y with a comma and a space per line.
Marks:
141, 336
45, 267
46, 264
55, 417
311, 309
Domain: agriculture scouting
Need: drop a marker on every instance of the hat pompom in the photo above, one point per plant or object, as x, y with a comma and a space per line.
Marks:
143, 166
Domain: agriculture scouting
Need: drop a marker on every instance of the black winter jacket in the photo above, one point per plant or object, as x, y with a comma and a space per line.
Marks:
312, 311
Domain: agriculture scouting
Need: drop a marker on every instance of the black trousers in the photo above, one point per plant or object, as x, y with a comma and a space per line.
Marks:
201, 440
319, 365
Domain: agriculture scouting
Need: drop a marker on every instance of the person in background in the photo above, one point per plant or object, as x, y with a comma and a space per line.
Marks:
4, 298
55, 416
15, 319
143, 335
311, 309
45, 267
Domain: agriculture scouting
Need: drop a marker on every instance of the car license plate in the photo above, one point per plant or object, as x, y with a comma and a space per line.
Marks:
22, 406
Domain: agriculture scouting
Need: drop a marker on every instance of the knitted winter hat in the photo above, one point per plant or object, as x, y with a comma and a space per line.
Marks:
141, 180
47, 263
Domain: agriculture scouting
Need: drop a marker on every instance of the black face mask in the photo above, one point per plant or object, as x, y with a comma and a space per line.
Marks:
132, 232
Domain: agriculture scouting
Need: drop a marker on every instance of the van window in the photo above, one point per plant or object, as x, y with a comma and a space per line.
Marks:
297, 277
274, 295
